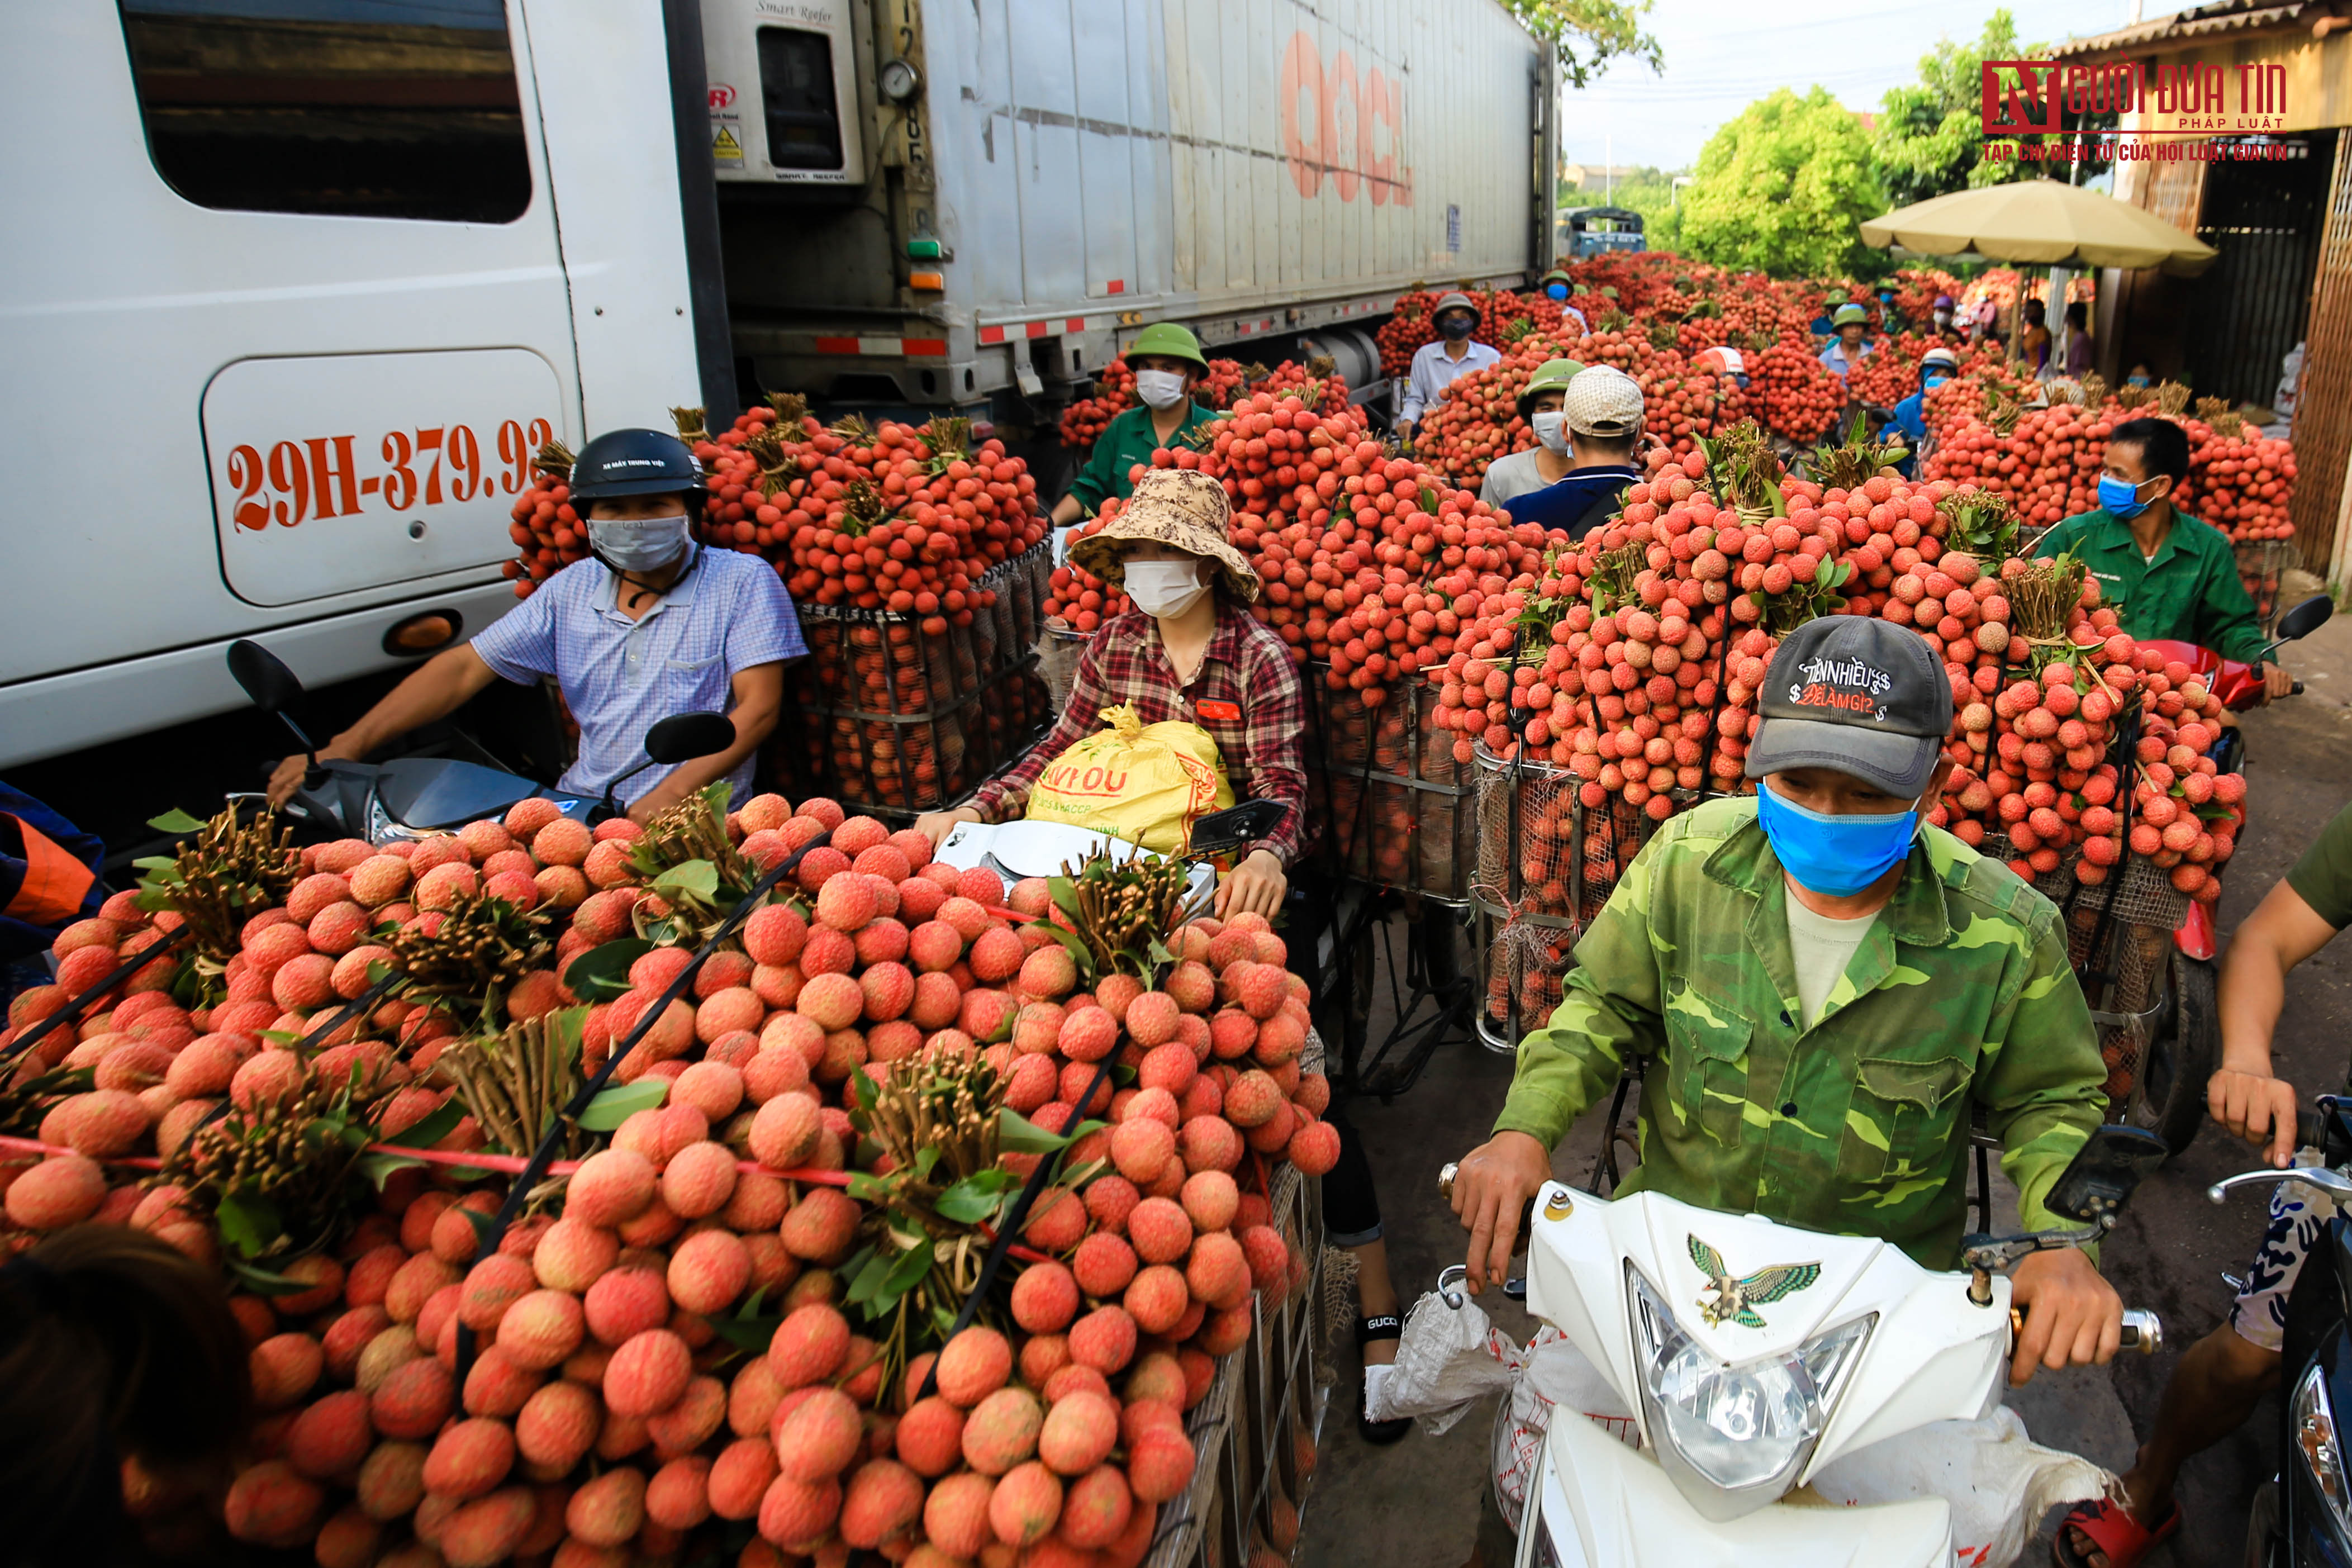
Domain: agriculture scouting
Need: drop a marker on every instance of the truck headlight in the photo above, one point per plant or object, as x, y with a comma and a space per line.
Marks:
1733, 1438
2322, 1455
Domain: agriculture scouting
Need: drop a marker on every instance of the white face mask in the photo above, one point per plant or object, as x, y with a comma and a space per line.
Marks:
1164, 588
1551, 429
637, 546
1160, 388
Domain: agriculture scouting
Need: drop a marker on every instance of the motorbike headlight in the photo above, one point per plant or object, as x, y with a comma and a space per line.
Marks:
2316, 1439
1733, 1438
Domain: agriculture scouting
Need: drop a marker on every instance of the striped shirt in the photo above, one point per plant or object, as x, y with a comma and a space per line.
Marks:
729, 614
1246, 694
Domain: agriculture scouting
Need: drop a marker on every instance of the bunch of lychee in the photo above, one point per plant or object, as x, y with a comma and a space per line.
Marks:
600, 1411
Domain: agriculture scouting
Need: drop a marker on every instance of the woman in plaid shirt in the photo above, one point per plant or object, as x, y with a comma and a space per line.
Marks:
1190, 651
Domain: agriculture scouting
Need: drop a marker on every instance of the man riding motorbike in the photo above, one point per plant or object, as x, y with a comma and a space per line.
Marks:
1824, 987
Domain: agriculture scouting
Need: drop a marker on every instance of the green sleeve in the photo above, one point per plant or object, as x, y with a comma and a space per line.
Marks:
2056, 538
2322, 878
1610, 1013
2226, 621
2040, 1079
1096, 481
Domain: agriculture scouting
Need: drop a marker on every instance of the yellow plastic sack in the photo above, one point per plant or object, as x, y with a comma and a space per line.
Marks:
1146, 783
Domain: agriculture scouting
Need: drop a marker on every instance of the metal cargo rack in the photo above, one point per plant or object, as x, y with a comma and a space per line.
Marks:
905, 720
1398, 810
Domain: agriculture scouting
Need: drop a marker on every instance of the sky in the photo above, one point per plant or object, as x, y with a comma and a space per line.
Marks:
1720, 59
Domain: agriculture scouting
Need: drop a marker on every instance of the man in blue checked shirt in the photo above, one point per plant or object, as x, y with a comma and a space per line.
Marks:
652, 623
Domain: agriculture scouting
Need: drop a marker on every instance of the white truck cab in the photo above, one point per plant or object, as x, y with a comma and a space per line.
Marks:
293, 291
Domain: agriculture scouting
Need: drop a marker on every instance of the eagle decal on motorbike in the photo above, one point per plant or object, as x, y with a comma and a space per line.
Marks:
1737, 1299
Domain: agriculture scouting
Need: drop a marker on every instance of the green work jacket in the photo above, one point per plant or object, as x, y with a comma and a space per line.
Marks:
2190, 592
1959, 997
1125, 442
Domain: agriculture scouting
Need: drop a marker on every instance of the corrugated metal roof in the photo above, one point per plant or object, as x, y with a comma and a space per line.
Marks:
2201, 21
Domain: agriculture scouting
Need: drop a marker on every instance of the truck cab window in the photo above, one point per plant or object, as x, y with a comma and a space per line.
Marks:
400, 109
797, 97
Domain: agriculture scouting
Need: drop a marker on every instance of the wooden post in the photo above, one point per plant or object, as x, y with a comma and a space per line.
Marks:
2323, 424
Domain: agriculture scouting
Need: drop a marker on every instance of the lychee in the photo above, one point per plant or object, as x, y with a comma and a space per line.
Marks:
974, 1364
930, 1436
1210, 1143
272, 1504
1001, 1430
883, 1498
647, 1373
1315, 1148
1141, 1148
1079, 1433
1104, 1339
1160, 1230
1026, 1505
1045, 1299
699, 1180
810, 1343
470, 1458
820, 1437
1102, 1265
557, 1427
609, 1509
822, 1225
956, 1515
709, 1270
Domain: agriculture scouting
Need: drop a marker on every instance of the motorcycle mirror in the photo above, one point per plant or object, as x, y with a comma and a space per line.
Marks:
2116, 1160
2306, 618
264, 677
273, 687
682, 737
1235, 825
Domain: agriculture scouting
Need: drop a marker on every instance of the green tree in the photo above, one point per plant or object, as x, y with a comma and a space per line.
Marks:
1931, 137
1782, 188
1589, 33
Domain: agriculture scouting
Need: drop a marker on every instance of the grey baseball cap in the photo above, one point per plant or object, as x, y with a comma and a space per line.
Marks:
1857, 696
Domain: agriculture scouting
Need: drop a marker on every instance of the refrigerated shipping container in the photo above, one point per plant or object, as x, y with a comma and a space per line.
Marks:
936, 202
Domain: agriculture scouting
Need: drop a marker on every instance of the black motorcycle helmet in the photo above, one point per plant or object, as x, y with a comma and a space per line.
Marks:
636, 463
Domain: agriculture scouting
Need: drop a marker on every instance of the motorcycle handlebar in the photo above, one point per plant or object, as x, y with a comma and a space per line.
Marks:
2143, 1331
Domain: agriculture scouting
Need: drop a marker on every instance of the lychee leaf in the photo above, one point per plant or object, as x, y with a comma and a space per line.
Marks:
752, 1334
156, 862
249, 1223
174, 821
977, 1197
602, 973
434, 1126
869, 1280
262, 1282
377, 1169
695, 879
867, 1189
1020, 1135
1064, 894
926, 1158
905, 1275
618, 1104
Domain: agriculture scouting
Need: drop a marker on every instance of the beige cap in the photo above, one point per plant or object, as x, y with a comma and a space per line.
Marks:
1603, 401
1182, 508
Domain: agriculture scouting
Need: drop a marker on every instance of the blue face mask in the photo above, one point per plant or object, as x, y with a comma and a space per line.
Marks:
2120, 497
1833, 856
2135, 381
1932, 380
1456, 326
1556, 290
1742, 380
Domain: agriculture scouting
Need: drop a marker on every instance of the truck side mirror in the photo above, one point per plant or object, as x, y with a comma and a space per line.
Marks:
682, 737
2116, 1160
2306, 618
264, 677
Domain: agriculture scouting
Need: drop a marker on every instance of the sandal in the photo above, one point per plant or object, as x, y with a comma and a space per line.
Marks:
1388, 1326
2113, 1530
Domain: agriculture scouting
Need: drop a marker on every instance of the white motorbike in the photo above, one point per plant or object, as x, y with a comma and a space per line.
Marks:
1753, 1356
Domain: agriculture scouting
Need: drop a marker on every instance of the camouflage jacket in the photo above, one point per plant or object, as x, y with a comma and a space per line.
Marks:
1961, 994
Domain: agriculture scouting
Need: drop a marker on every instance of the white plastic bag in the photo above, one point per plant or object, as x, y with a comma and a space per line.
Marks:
1999, 1481
1448, 1360
1557, 1375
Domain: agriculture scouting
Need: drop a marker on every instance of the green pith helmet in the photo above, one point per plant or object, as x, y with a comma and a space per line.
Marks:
1457, 301
1849, 315
1555, 274
1170, 341
1552, 375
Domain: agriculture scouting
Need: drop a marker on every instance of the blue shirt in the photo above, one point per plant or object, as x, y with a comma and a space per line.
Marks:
1576, 504
1433, 369
1911, 418
1834, 357
726, 614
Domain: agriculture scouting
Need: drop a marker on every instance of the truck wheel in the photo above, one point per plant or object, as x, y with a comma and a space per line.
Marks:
2169, 1098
